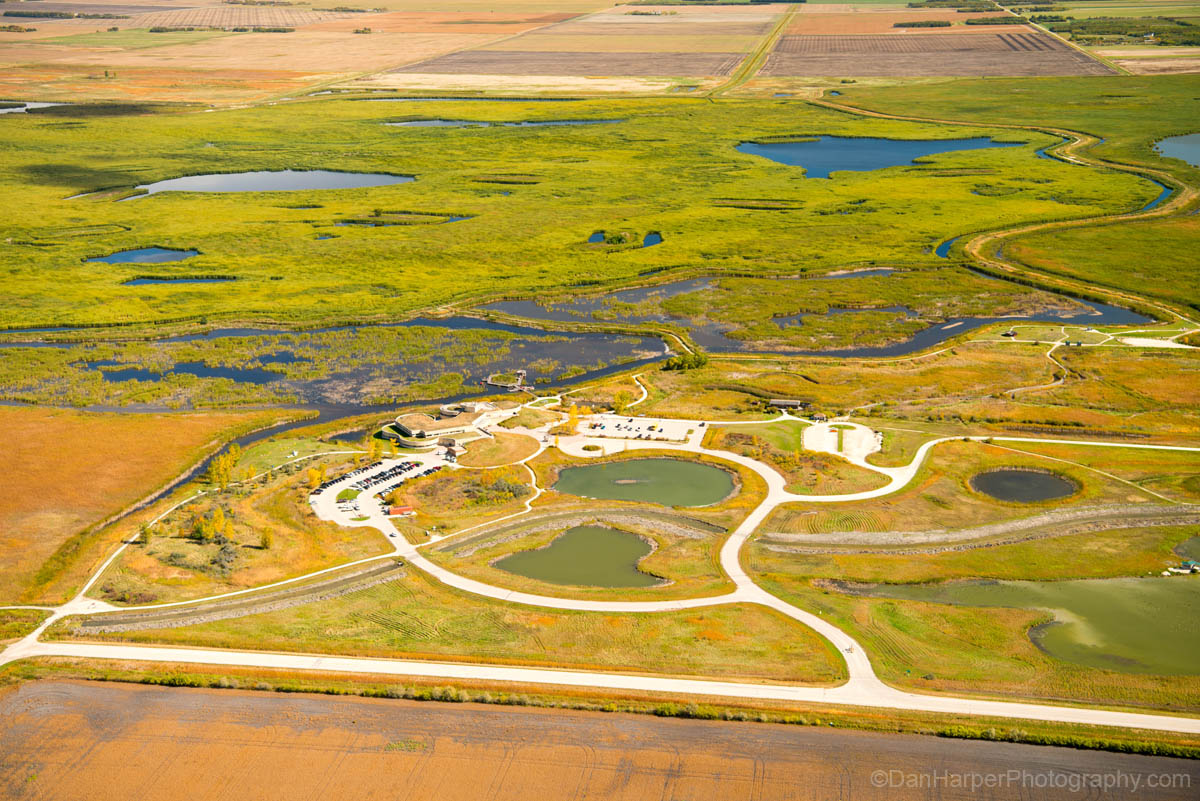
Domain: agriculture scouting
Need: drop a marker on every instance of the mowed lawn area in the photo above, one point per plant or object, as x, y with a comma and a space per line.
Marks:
67, 470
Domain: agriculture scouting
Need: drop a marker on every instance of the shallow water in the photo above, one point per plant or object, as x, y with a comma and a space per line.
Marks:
827, 154
1132, 625
712, 336
671, 482
274, 181
1185, 148
587, 556
146, 256
24, 107
1023, 486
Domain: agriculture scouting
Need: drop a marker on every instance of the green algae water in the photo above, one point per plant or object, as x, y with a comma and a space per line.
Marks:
671, 482
1132, 625
588, 556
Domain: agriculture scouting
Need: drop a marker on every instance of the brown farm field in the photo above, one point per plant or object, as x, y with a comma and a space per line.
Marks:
990, 54
68, 739
637, 64
884, 21
68, 470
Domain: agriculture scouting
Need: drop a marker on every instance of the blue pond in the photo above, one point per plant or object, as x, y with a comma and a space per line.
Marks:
144, 280
827, 154
596, 238
146, 256
652, 239
246, 375
274, 181
1185, 148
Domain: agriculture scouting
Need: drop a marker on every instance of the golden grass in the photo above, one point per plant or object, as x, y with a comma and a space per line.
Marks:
67, 470
501, 449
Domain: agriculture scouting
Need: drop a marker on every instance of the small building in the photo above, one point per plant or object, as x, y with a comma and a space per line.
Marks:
422, 426
784, 403
401, 511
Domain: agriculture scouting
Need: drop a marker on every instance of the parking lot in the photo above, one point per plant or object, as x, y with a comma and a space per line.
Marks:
616, 426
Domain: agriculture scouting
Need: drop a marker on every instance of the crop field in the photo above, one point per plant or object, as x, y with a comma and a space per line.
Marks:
417, 617
992, 54
813, 21
64, 736
679, 41
70, 470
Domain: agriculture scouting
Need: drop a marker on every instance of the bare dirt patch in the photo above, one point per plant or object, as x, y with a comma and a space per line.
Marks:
68, 739
565, 43
495, 62
1159, 66
1018, 54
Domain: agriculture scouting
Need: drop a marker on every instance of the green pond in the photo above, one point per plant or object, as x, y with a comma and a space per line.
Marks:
589, 556
671, 482
1132, 625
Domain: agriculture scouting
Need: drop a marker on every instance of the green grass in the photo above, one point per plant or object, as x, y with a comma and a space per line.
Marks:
133, 38
679, 153
1155, 258
418, 617
787, 435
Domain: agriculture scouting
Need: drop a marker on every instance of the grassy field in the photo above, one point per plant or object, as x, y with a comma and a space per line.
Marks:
133, 38
182, 561
451, 500
417, 617
779, 445
1116, 256
941, 648
681, 151
16, 623
940, 497
500, 449
70, 470
1175, 474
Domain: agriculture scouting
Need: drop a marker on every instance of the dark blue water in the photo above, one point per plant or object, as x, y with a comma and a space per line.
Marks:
827, 154
1185, 148
146, 256
325, 236
798, 319
942, 251
244, 375
651, 240
1163, 195
274, 181
166, 280
596, 238
458, 219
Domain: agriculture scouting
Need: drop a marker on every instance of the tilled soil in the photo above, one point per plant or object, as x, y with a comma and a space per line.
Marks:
516, 62
1008, 54
81, 741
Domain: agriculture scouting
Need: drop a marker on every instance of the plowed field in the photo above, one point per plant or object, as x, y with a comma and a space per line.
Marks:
74, 740
1012, 54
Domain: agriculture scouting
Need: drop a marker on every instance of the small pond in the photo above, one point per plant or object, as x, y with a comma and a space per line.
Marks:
652, 239
1111, 624
670, 482
274, 181
827, 154
1185, 148
1019, 485
145, 256
588, 556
